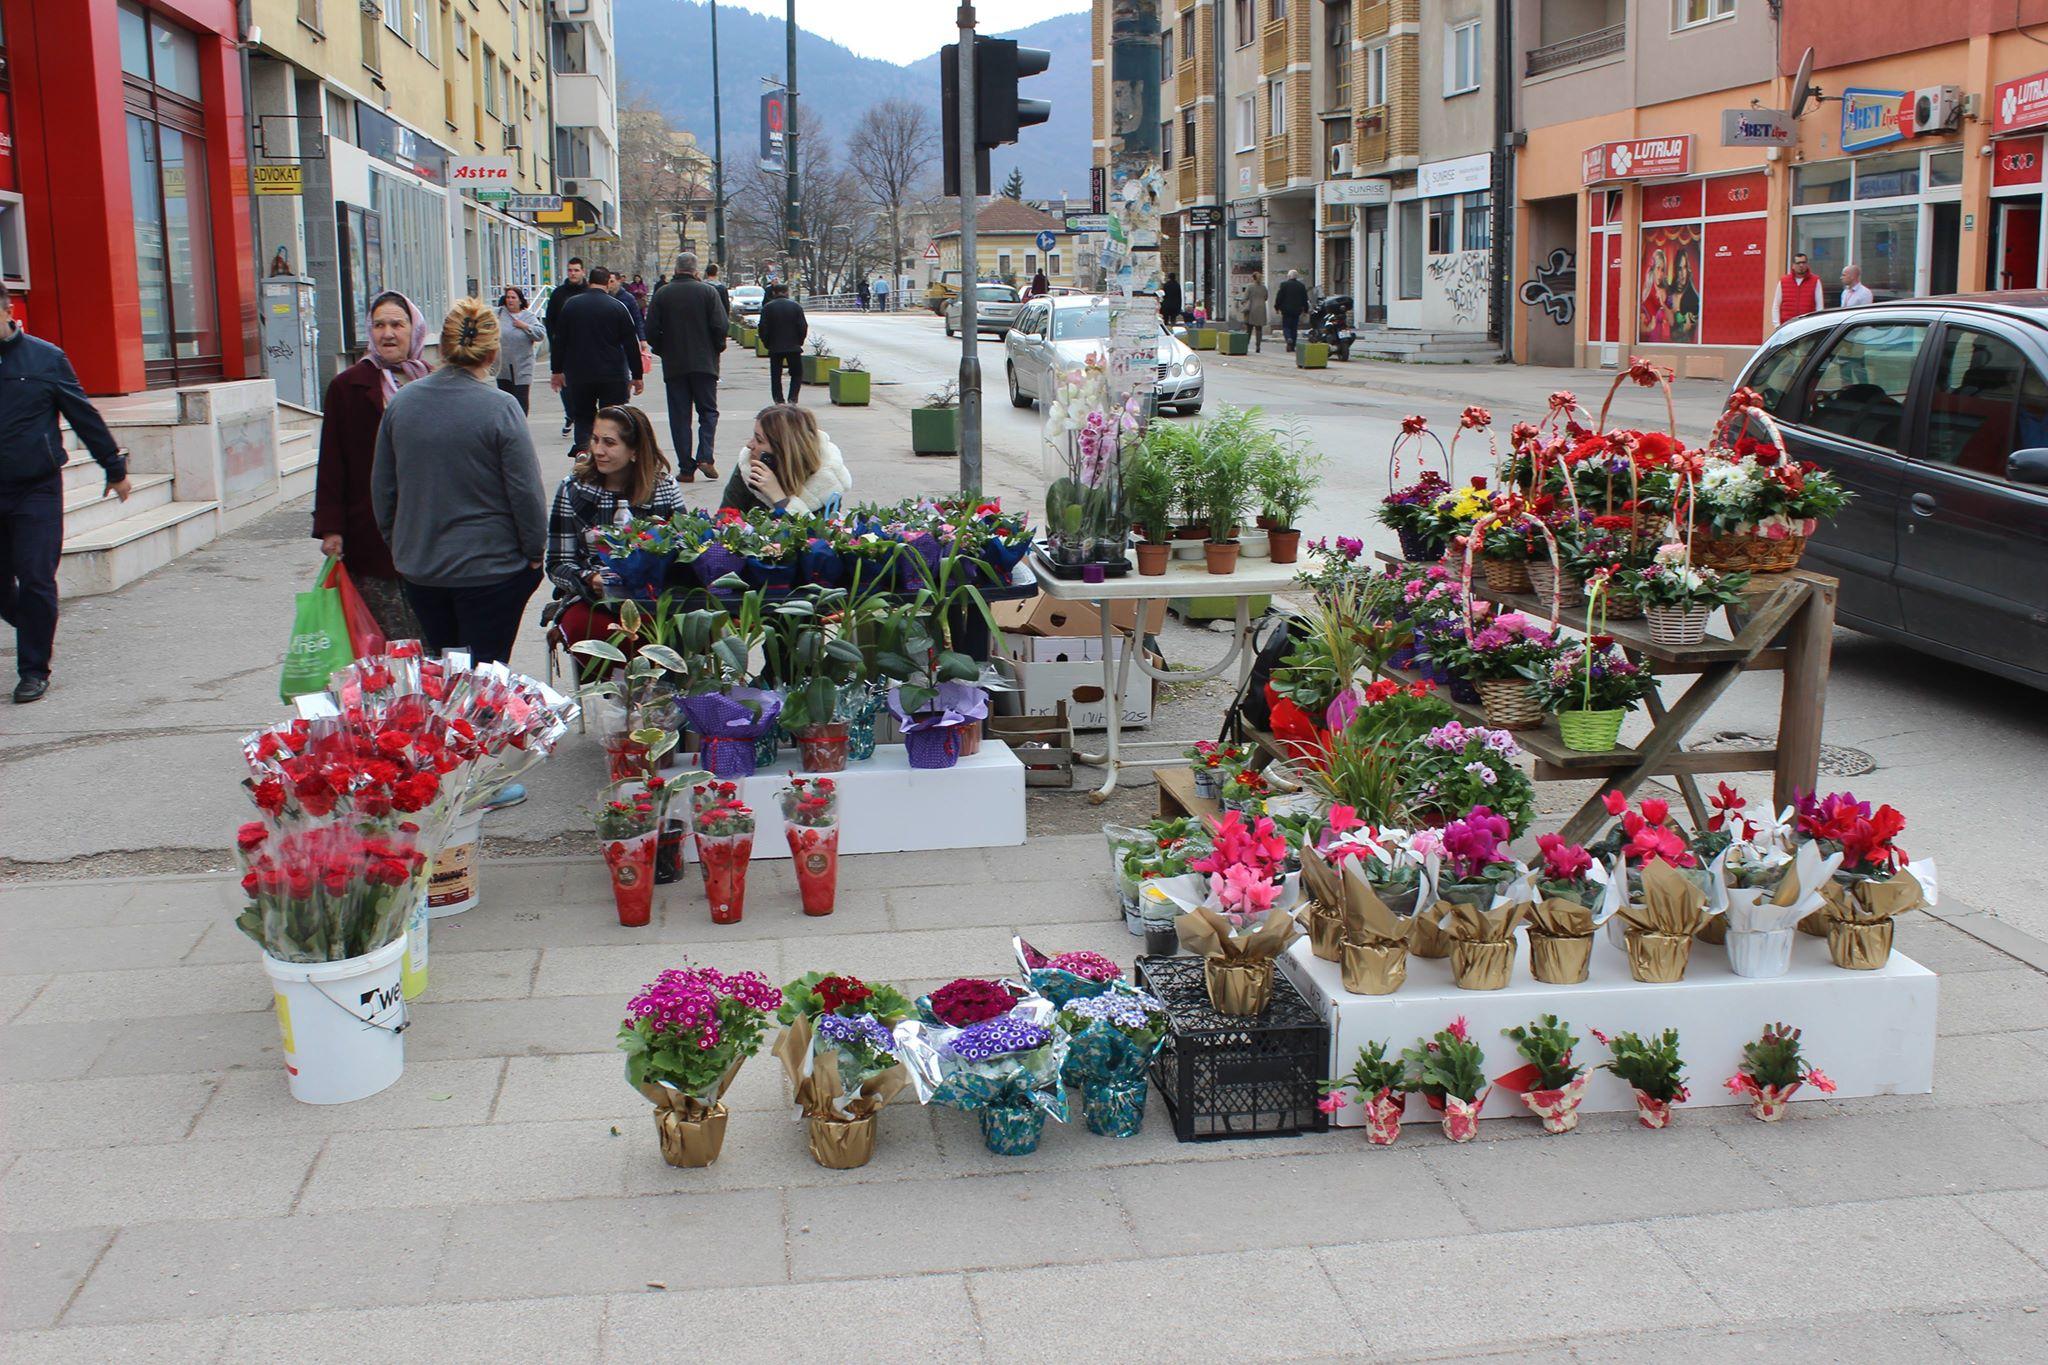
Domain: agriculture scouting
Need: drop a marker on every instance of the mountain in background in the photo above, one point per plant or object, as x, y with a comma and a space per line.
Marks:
664, 53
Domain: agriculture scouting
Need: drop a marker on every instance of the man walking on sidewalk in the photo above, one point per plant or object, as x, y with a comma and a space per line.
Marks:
686, 328
559, 297
595, 355
37, 386
783, 329
1292, 301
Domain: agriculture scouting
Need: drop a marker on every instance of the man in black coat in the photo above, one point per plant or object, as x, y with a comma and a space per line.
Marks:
1292, 301
711, 277
1170, 300
37, 386
686, 327
594, 353
783, 329
568, 289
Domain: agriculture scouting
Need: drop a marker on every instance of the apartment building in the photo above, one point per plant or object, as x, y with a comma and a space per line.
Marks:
586, 116
394, 133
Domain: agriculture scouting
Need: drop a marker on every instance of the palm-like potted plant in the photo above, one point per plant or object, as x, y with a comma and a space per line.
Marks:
820, 362
1286, 476
811, 662
1223, 490
849, 382
1149, 493
935, 423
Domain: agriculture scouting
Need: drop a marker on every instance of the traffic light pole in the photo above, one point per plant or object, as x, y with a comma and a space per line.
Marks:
970, 359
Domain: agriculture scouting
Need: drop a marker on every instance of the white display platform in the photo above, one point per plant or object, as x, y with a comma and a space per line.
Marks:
1871, 1032
887, 806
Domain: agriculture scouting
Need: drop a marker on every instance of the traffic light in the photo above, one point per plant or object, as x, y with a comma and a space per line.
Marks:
999, 113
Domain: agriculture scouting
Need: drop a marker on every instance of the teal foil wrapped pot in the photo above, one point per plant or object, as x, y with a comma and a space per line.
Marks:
1114, 1109
1012, 1129
859, 705
767, 747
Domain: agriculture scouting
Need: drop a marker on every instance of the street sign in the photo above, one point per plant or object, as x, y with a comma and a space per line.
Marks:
1250, 228
1046, 240
1204, 216
534, 203
1087, 222
480, 173
277, 179
1757, 128
1098, 190
931, 251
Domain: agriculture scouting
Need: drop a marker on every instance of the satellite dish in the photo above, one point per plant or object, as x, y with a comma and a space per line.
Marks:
1804, 92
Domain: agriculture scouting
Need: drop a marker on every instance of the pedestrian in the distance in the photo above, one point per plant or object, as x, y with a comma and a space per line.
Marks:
1799, 292
861, 294
783, 330
638, 289
1257, 315
458, 494
519, 331
1040, 285
790, 465
593, 354
344, 520
1170, 300
724, 295
686, 328
1292, 301
625, 476
882, 296
572, 285
37, 386
1855, 293
616, 287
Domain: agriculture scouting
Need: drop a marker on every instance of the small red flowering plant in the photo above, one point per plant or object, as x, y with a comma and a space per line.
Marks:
968, 1001
1645, 833
627, 814
1867, 839
1450, 1064
810, 802
689, 1029
1773, 1067
819, 993
726, 819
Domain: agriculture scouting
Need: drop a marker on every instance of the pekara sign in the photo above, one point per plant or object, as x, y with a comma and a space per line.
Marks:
1643, 158
2021, 103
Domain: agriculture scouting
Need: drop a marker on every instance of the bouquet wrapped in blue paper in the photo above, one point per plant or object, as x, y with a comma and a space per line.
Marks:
1113, 1037
1064, 976
1005, 1067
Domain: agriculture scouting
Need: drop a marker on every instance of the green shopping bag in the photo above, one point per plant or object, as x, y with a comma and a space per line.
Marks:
320, 640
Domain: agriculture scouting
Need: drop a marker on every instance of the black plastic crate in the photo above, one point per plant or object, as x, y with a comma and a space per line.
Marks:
1228, 1076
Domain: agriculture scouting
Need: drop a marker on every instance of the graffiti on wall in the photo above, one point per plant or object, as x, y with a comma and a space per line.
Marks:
1554, 286
1462, 276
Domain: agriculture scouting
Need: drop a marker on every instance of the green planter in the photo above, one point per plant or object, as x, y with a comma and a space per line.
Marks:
935, 431
849, 387
1184, 336
1312, 355
760, 346
1234, 343
1205, 339
1218, 608
749, 338
816, 367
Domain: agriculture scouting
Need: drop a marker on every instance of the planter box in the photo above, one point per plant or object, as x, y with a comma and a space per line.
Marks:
1223, 1076
849, 387
760, 346
935, 431
1217, 608
1184, 336
1205, 339
1312, 355
816, 367
749, 338
1234, 343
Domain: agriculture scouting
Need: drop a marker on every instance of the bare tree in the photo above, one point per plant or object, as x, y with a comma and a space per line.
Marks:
663, 183
890, 153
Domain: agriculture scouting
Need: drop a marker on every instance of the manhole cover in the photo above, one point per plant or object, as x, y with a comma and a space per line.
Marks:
1835, 759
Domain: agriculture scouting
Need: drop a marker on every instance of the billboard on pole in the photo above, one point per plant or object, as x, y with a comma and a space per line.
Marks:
774, 123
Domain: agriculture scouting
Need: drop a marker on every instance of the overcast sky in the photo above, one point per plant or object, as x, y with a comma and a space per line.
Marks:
904, 30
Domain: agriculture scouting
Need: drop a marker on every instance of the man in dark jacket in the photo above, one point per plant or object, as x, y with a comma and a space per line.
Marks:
783, 329
711, 277
1292, 301
37, 386
1170, 300
686, 328
568, 289
594, 354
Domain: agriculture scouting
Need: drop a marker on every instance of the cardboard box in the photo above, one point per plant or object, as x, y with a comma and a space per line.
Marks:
1055, 649
1042, 615
1041, 687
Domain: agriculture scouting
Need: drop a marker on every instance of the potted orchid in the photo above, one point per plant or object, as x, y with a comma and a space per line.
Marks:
1084, 509
1499, 656
1381, 1084
1450, 1071
1653, 1070
1772, 1070
1555, 1084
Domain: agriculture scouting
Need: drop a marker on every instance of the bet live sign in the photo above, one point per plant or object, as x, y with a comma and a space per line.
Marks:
490, 177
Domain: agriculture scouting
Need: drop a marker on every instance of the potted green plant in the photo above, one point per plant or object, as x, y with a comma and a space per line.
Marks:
1652, 1068
848, 382
1286, 475
1223, 490
820, 362
1149, 493
935, 423
1450, 1071
1557, 1084
810, 662
1381, 1084
1591, 688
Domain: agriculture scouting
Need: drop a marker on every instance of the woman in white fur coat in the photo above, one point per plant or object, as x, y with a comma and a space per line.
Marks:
791, 465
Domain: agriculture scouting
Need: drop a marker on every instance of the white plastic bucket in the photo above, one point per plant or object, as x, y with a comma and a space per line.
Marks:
1760, 952
343, 1024
417, 944
452, 888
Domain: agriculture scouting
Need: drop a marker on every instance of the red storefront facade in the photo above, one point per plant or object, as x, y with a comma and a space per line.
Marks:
127, 188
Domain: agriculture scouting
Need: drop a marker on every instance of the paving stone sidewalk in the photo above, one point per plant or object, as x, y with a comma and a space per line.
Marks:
164, 1199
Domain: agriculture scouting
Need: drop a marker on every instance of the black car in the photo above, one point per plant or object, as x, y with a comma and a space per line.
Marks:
1934, 413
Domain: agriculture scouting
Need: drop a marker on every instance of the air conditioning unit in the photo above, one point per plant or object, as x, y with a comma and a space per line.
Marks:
512, 143
571, 189
1340, 159
1937, 109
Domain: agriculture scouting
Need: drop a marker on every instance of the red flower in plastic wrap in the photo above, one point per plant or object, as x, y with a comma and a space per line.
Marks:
970, 1001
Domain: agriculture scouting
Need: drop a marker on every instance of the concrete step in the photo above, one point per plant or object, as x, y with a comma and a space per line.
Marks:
90, 509
120, 552
298, 461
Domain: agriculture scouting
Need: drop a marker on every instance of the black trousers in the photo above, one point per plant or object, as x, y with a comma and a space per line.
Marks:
31, 541
1290, 323
483, 620
688, 393
778, 361
519, 391
586, 397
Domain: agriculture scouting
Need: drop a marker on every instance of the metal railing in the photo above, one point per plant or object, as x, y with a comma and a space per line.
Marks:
1586, 47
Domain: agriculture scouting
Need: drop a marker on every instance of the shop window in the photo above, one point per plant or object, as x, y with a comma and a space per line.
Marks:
1988, 401
1442, 221
1411, 249
1891, 176
1475, 212
1824, 183
414, 223
1859, 392
168, 188
1887, 242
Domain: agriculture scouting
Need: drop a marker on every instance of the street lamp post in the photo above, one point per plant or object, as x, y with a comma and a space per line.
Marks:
970, 359
717, 151
790, 229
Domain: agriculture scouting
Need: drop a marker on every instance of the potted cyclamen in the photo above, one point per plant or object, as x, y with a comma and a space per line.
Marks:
1874, 883
1450, 1071
1476, 868
1591, 687
810, 821
1772, 1071
1574, 898
725, 844
849, 384
1679, 599
1652, 1068
1381, 1084
1499, 656
628, 827
685, 1035
1555, 1084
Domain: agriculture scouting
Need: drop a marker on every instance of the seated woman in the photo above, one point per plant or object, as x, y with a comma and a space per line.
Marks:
791, 466
623, 476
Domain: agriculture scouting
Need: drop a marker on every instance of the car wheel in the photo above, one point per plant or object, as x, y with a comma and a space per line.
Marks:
1017, 400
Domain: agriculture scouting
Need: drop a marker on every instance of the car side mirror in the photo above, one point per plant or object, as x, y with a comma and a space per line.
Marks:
2028, 466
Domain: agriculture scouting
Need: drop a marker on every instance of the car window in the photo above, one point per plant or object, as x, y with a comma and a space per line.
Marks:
1076, 324
1860, 389
1774, 374
996, 293
1988, 401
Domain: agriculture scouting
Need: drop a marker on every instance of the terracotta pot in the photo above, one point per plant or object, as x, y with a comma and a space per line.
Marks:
822, 748
1286, 545
969, 735
1222, 556
1152, 558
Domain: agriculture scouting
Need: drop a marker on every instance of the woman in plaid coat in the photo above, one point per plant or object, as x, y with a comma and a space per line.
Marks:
624, 476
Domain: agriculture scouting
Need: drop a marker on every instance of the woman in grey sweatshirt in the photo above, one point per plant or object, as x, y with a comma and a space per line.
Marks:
457, 492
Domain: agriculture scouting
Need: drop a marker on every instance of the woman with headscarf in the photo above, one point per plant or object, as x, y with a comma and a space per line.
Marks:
343, 521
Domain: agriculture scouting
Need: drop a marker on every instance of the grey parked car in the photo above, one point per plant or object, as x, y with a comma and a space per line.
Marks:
1055, 334
995, 308
1934, 412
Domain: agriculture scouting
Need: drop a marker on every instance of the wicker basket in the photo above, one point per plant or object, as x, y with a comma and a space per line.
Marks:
1510, 704
1679, 625
1622, 607
1590, 732
1544, 581
1754, 553
1506, 575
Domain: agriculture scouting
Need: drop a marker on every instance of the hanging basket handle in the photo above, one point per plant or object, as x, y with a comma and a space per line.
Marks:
1645, 374
1414, 428
1596, 624
1477, 534
1564, 405
1476, 418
